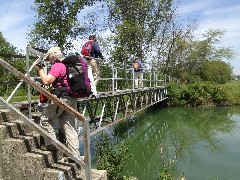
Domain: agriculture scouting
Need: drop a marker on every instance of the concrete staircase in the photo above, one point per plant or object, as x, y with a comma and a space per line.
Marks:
21, 157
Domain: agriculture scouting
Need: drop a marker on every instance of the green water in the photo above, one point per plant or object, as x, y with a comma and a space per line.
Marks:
202, 143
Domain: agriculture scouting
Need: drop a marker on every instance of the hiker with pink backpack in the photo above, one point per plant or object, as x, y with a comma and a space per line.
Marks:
62, 82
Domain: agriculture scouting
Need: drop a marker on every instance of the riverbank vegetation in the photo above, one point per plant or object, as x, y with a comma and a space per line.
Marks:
204, 94
111, 158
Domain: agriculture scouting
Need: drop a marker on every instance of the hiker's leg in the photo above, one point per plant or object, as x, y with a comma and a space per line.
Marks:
91, 79
66, 121
135, 80
136, 76
141, 79
50, 113
96, 71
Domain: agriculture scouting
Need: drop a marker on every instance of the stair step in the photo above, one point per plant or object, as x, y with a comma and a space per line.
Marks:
96, 174
50, 156
3, 132
6, 116
53, 174
23, 158
12, 129
69, 172
32, 166
31, 142
13, 146
23, 127
16, 128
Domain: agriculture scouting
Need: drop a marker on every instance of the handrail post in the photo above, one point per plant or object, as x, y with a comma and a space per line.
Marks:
154, 79
133, 80
150, 78
113, 79
116, 76
87, 153
29, 87
165, 79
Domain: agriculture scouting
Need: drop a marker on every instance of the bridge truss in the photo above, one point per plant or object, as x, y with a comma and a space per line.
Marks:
105, 109
110, 108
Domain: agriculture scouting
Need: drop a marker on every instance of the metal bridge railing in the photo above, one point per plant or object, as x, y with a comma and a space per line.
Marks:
117, 74
150, 78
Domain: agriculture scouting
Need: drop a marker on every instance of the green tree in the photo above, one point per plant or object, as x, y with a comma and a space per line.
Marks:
6, 51
136, 24
57, 22
6, 47
197, 52
216, 71
111, 158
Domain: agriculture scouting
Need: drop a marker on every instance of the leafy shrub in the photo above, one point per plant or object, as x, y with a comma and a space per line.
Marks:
202, 94
174, 93
110, 158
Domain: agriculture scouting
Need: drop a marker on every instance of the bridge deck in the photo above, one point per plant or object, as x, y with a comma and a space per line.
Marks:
106, 109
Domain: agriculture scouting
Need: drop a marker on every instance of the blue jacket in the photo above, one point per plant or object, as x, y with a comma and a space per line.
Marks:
96, 52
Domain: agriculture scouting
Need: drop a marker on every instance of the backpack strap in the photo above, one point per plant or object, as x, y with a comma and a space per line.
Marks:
62, 91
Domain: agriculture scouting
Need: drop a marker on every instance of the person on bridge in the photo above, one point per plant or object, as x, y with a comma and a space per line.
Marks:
51, 112
93, 64
138, 73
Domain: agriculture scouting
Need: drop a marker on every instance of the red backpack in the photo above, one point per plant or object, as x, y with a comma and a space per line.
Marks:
87, 48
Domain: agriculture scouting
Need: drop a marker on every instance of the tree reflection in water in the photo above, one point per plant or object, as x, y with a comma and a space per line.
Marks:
193, 138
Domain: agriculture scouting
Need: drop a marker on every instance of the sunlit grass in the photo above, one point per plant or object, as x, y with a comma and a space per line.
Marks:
20, 98
232, 89
232, 85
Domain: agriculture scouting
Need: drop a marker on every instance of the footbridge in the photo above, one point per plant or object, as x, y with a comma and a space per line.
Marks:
117, 99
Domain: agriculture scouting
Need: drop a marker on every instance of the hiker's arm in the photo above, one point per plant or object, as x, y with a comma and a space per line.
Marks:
47, 79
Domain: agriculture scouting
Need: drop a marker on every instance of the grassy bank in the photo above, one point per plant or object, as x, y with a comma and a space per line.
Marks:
204, 94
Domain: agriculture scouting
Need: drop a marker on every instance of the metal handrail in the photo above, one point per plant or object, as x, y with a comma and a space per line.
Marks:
153, 80
86, 164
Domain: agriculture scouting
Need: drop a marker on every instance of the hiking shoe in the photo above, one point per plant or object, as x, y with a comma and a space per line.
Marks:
63, 160
92, 96
48, 147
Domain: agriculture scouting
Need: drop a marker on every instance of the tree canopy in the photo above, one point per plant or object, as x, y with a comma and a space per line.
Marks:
8, 49
146, 29
56, 23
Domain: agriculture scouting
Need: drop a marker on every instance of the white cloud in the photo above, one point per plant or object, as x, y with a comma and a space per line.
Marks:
16, 16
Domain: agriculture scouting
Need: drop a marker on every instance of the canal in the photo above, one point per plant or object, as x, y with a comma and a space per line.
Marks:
200, 143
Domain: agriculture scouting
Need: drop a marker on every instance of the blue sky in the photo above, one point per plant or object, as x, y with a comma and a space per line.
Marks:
16, 16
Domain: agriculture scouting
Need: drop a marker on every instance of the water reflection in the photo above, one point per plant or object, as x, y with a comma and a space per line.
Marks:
202, 142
